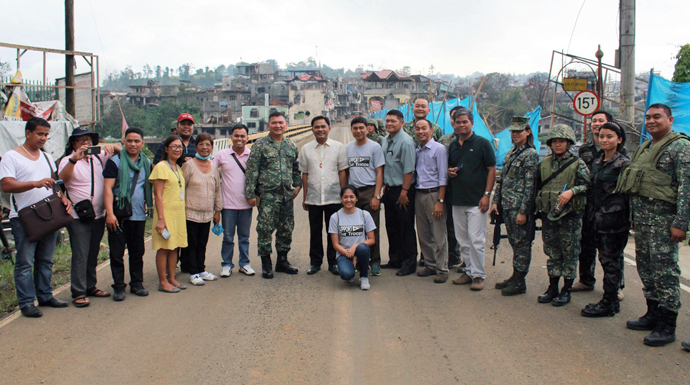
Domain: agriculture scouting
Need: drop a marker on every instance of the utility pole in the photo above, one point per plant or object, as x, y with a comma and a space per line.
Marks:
627, 60
69, 59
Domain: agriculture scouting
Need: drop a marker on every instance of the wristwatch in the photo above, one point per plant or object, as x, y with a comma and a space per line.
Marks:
379, 197
440, 201
487, 193
71, 160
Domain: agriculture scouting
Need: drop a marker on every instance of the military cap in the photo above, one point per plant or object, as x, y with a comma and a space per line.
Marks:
518, 123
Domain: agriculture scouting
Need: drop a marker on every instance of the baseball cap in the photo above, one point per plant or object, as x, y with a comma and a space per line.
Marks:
185, 116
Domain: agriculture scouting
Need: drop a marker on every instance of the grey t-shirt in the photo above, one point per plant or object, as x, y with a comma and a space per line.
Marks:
363, 161
351, 228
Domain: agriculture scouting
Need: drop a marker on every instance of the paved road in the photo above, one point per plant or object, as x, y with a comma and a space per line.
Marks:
320, 330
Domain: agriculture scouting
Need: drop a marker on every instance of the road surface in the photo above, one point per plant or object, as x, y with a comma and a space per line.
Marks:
320, 330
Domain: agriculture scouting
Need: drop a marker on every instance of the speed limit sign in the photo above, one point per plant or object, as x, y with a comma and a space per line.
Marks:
585, 103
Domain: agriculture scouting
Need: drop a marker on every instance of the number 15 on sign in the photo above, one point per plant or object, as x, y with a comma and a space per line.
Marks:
585, 103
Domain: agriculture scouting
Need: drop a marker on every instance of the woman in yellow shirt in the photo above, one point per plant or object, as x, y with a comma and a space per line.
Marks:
168, 214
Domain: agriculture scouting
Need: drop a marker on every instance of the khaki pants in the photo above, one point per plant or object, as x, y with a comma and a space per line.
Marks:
432, 232
364, 203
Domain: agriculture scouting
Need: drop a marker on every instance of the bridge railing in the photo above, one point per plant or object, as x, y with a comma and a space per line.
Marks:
221, 144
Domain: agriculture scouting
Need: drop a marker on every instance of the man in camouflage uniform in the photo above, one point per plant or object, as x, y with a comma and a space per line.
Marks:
658, 180
588, 152
514, 200
372, 127
273, 175
563, 180
421, 111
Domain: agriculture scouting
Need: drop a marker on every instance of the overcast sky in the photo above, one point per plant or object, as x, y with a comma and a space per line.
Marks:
458, 36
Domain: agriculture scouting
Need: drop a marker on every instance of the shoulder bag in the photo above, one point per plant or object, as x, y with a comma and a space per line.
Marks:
45, 216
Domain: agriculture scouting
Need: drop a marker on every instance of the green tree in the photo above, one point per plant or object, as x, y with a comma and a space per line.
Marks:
682, 72
4, 68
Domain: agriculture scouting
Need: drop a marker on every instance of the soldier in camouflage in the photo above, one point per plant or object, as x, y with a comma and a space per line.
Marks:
609, 214
381, 128
589, 152
658, 180
563, 180
372, 133
273, 175
421, 111
514, 199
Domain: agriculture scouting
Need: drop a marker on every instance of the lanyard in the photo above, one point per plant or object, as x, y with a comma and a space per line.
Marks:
177, 175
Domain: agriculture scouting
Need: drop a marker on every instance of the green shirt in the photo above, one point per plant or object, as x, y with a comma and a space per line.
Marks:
400, 157
272, 167
409, 129
472, 159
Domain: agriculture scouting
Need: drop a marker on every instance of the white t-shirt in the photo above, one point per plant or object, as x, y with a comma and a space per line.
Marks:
351, 228
22, 169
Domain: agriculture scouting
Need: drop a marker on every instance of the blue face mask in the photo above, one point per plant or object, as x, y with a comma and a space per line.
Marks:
204, 157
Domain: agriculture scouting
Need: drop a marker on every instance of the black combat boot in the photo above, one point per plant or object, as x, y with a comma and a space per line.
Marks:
266, 267
647, 321
564, 298
685, 345
283, 266
551, 292
502, 285
665, 331
605, 308
517, 285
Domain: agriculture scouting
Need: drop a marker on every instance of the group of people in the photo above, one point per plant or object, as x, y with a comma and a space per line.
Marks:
436, 190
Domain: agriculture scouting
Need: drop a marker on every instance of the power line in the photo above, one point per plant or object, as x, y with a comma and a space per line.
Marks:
576, 19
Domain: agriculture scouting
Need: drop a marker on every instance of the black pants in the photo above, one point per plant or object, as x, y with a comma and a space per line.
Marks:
611, 247
588, 253
453, 246
402, 238
193, 257
131, 237
317, 216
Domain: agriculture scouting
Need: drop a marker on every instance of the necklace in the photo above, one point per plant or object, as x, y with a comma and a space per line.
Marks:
27, 151
324, 149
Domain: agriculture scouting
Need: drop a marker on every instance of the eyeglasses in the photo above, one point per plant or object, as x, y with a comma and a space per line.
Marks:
82, 139
176, 147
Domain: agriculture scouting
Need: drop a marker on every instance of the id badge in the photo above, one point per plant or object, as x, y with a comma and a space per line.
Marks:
181, 195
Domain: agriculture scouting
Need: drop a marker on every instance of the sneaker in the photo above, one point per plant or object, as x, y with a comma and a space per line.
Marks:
364, 284
621, 296
206, 276
226, 272
375, 270
196, 280
477, 284
580, 286
350, 280
247, 270
464, 279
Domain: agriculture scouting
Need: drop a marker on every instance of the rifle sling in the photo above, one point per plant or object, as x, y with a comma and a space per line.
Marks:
555, 173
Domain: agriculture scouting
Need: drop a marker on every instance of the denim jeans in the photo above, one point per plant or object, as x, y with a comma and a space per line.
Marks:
38, 255
347, 268
242, 220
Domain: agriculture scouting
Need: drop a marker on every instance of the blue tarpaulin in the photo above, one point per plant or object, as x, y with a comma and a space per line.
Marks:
674, 95
440, 114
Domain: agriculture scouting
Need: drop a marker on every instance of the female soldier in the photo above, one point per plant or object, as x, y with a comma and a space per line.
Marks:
563, 181
610, 214
515, 195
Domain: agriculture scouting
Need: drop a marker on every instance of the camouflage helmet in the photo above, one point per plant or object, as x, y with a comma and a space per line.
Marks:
380, 124
373, 123
561, 131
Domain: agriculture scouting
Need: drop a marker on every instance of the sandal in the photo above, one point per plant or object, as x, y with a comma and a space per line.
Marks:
98, 293
81, 301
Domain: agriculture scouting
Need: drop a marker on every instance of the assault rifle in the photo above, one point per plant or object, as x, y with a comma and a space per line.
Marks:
497, 220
